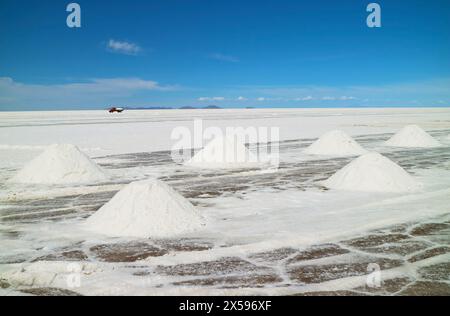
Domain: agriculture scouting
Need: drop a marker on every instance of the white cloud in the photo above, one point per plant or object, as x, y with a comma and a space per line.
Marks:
91, 91
211, 99
327, 98
123, 47
346, 98
261, 99
308, 98
222, 57
241, 98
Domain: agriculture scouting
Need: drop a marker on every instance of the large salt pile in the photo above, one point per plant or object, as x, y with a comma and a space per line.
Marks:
335, 143
412, 136
224, 152
372, 172
60, 164
148, 208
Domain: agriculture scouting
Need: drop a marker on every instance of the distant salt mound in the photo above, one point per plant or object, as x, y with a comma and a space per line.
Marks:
60, 164
146, 209
224, 152
335, 143
372, 172
412, 136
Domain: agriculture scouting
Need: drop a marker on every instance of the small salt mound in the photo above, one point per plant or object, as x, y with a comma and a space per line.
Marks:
224, 152
60, 164
335, 143
148, 208
412, 136
372, 172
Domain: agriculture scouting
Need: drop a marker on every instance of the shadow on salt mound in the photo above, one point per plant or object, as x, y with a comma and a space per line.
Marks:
224, 152
412, 136
372, 172
60, 164
145, 209
335, 143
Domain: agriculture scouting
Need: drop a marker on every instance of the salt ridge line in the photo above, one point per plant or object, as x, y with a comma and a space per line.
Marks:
299, 241
19, 274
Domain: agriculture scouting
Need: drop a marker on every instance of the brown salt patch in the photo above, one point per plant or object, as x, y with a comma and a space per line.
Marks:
387, 286
317, 252
126, 252
429, 229
10, 234
4, 284
274, 255
429, 253
13, 260
223, 266
184, 245
74, 255
399, 228
427, 288
440, 271
321, 273
331, 293
50, 291
251, 280
141, 273
375, 240
402, 248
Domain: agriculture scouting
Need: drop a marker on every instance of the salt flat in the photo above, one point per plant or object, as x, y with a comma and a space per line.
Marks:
269, 232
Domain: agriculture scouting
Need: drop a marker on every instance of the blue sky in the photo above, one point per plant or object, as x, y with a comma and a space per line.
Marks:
228, 53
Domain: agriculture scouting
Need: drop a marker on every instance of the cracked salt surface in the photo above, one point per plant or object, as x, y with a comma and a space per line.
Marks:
277, 232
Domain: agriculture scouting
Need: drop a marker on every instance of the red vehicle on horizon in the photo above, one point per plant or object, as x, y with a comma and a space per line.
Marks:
115, 110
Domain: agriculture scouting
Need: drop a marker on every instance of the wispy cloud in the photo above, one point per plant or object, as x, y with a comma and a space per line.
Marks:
203, 99
92, 91
123, 47
222, 57
307, 98
396, 94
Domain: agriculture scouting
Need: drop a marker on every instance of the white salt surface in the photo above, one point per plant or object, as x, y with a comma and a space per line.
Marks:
335, 143
372, 172
412, 136
60, 164
148, 208
223, 152
258, 221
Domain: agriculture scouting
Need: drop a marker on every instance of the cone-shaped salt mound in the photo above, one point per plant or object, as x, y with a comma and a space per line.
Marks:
335, 143
412, 136
224, 152
146, 209
60, 164
372, 172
